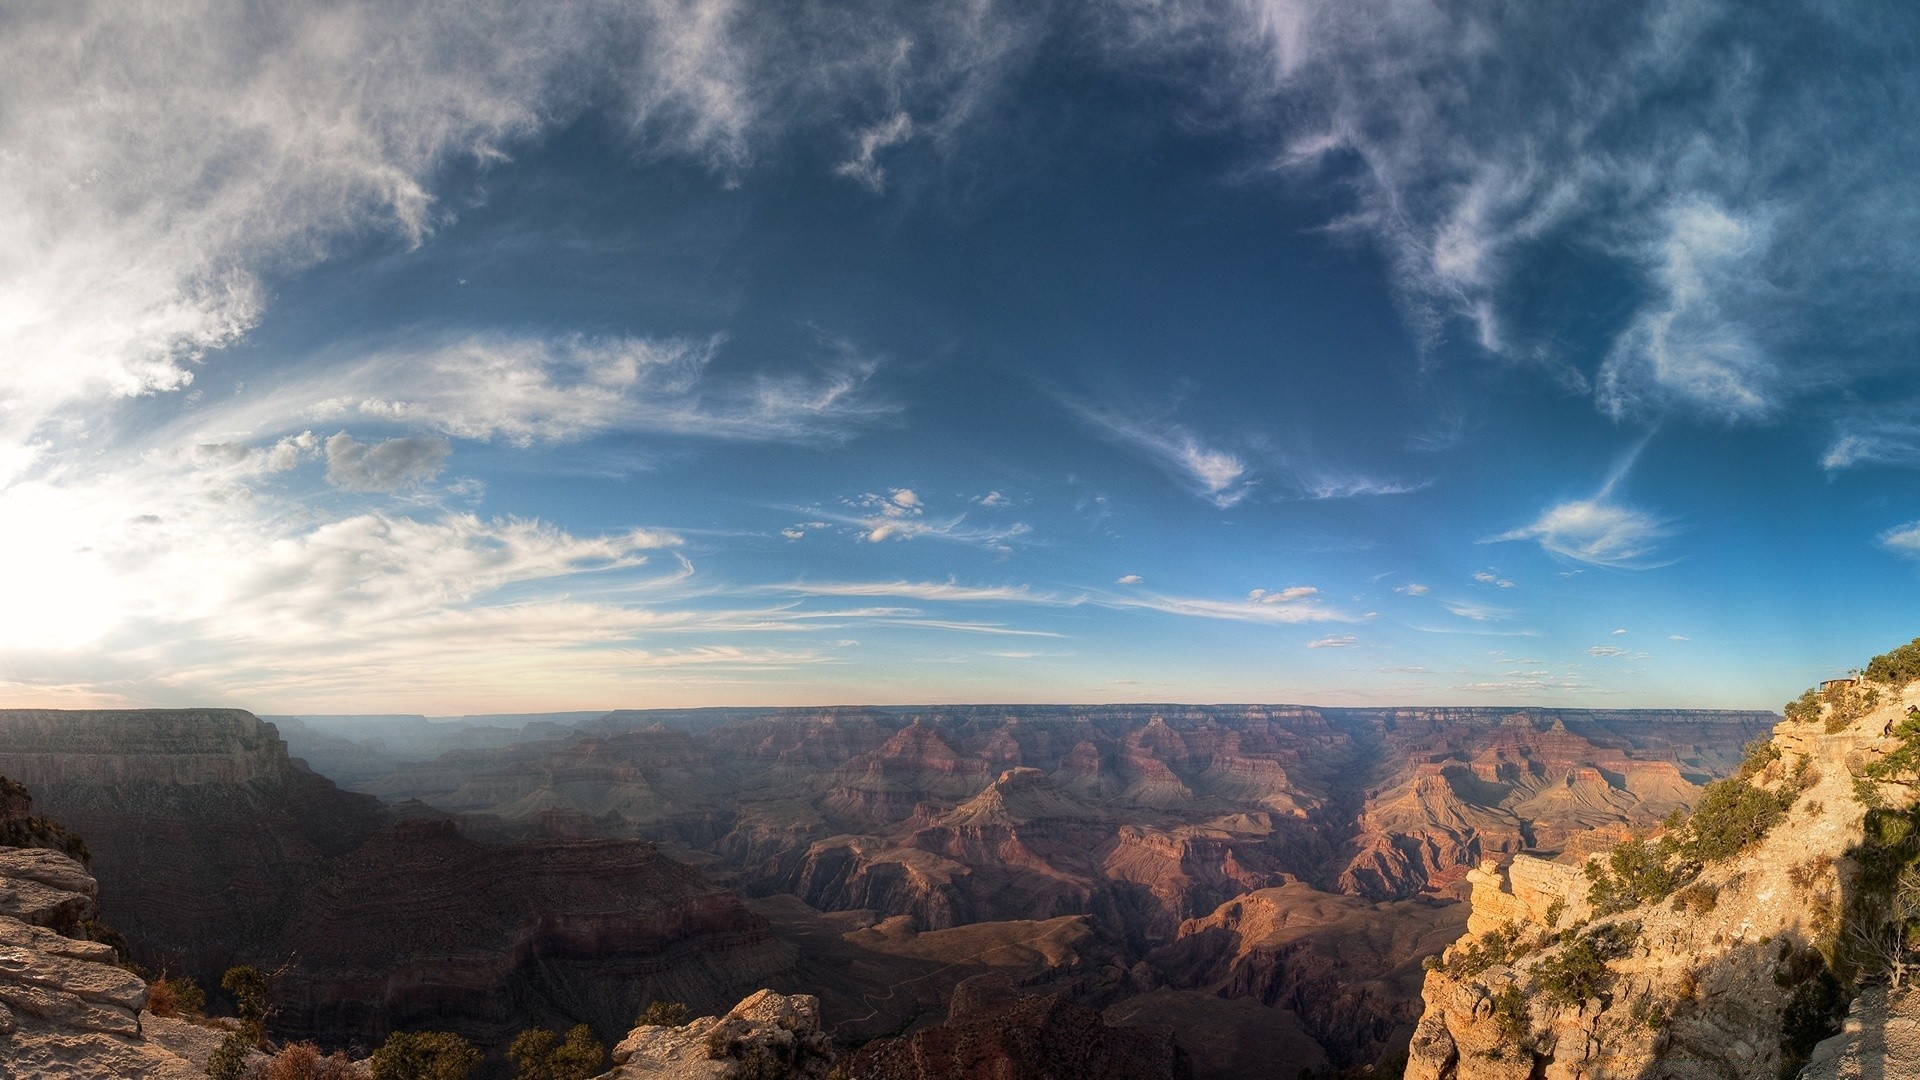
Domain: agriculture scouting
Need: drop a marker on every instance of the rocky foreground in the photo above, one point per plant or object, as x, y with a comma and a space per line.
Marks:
1727, 944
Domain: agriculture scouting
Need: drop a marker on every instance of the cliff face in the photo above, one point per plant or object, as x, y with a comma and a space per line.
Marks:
214, 848
421, 927
202, 830
67, 1008
1708, 954
1023, 1037
1349, 969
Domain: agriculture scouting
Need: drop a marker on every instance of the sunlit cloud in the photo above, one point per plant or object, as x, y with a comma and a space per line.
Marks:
1596, 533
1221, 477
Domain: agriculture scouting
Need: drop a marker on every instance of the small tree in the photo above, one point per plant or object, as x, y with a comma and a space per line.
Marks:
424, 1055
169, 996
249, 987
579, 1055
304, 1061
229, 1059
1901, 765
536, 1056
662, 1014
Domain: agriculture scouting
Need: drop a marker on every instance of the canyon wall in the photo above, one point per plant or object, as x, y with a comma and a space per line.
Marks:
214, 848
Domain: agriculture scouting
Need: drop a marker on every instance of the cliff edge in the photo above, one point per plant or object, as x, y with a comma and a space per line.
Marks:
1728, 942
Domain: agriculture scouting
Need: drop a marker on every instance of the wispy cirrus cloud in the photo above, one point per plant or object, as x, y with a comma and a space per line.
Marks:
1221, 477
1688, 147
525, 390
901, 515
1884, 436
1595, 532
1903, 540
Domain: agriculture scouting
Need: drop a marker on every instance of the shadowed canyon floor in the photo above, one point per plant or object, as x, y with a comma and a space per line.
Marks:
1270, 875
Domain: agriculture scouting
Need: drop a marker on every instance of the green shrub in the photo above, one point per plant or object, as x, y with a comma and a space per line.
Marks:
1635, 872
1759, 754
229, 1059
1510, 1017
1804, 709
1698, 898
1901, 764
1579, 970
424, 1055
1812, 1013
662, 1014
1650, 1014
1495, 948
1898, 667
1731, 816
536, 1057
169, 996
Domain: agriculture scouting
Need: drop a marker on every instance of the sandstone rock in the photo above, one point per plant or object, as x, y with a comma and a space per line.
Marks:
1698, 990
768, 1036
66, 1009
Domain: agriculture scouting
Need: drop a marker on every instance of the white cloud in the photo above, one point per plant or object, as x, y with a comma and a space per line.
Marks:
1689, 146
1467, 609
1282, 596
902, 515
1412, 589
1620, 630
1694, 349
1130, 579
168, 164
1874, 438
1595, 531
388, 465
992, 499
862, 168
1332, 641
1488, 578
1267, 607
527, 390
947, 592
1615, 652
1678, 637
1903, 539
1218, 476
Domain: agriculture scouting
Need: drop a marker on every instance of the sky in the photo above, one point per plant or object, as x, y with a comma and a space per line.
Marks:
480, 356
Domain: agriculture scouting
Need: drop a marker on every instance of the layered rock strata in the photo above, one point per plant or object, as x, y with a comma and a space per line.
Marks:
67, 1009
1716, 979
215, 848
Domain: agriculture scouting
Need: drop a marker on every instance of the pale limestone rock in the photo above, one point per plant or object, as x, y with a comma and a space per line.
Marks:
768, 1036
1709, 969
67, 1011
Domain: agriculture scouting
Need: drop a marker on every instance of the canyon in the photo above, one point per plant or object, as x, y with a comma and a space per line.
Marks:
1273, 875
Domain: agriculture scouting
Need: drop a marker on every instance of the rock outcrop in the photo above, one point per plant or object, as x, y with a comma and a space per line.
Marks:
67, 1008
768, 1036
1347, 968
1722, 950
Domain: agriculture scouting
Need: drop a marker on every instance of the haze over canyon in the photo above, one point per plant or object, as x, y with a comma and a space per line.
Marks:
1268, 879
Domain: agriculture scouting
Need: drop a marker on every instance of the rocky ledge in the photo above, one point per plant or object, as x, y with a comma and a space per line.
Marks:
67, 1009
768, 1036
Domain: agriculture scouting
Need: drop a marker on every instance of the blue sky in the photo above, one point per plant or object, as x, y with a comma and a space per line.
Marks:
475, 357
